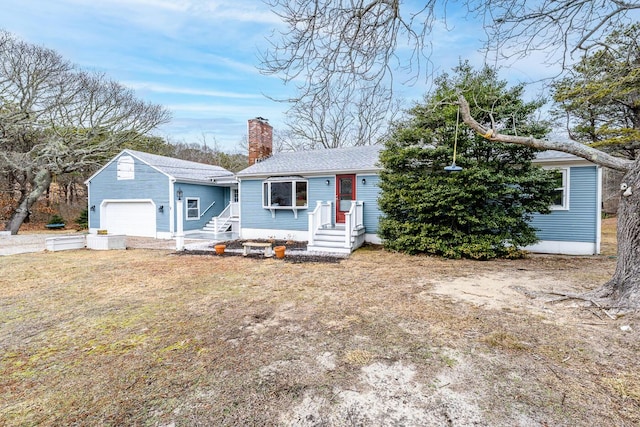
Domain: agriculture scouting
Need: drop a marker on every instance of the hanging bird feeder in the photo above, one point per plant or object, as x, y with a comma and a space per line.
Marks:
453, 167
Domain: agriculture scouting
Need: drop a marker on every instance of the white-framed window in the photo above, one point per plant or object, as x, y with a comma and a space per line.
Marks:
235, 198
193, 208
125, 168
561, 200
284, 194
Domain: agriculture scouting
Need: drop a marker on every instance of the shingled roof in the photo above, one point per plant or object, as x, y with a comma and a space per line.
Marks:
183, 170
551, 155
357, 159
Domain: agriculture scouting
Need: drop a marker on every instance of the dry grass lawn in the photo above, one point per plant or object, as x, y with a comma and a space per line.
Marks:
147, 337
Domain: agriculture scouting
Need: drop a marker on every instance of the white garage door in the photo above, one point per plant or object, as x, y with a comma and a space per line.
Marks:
130, 218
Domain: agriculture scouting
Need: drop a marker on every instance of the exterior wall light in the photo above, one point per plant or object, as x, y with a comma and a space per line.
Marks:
327, 182
161, 209
179, 193
93, 208
364, 181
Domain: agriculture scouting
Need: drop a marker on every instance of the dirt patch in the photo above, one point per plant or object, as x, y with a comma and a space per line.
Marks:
148, 337
294, 245
290, 257
388, 394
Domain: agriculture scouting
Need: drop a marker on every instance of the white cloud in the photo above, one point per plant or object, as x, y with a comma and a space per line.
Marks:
160, 88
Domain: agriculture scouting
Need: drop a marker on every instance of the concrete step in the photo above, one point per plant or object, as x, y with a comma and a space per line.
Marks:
330, 232
332, 249
327, 244
328, 238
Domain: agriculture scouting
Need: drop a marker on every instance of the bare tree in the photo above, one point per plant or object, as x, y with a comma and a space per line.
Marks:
370, 39
565, 27
341, 115
56, 119
360, 39
320, 52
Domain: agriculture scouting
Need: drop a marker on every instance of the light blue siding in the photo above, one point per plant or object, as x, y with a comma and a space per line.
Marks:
320, 191
207, 195
369, 193
148, 183
579, 223
254, 216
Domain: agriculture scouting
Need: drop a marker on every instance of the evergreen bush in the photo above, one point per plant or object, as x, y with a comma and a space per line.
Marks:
481, 212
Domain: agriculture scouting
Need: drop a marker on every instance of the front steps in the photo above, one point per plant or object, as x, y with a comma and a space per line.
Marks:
333, 240
224, 225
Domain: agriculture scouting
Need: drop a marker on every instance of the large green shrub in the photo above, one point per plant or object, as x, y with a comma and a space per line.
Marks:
481, 212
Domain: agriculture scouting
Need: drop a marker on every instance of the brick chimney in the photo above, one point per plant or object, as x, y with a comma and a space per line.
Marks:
260, 138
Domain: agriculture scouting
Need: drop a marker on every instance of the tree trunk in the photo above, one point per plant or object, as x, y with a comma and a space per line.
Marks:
40, 184
624, 286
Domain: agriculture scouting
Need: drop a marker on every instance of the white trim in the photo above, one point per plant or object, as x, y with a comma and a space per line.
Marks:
284, 180
372, 238
89, 215
310, 174
105, 202
125, 168
186, 209
564, 248
117, 156
598, 209
172, 206
566, 187
260, 233
564, 160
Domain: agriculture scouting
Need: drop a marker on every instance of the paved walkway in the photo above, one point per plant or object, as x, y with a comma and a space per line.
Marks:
25, 243
22, 243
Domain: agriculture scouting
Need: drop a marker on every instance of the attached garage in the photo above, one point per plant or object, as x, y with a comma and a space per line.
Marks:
129, 217
136, 194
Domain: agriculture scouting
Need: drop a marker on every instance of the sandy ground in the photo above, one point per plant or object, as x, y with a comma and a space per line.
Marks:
445, 386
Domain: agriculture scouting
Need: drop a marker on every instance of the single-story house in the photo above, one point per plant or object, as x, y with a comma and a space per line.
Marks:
136, 194
325, 197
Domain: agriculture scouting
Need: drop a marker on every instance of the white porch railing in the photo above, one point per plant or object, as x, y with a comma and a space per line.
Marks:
323, 234
223, 220
320, 218
205, 211
353, 221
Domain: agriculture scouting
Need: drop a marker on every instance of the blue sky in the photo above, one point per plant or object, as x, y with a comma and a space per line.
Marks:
196, 57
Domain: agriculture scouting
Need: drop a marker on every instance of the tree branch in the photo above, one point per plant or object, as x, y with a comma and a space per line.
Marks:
591, 154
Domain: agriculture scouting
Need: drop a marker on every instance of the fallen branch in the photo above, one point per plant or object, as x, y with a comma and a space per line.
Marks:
566, 296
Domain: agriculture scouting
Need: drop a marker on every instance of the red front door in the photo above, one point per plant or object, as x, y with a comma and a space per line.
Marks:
345, 193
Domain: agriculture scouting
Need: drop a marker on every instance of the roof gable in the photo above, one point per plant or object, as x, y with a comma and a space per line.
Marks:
180, 170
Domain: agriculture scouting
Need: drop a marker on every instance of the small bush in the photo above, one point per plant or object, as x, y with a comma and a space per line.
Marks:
83, 220
56, 219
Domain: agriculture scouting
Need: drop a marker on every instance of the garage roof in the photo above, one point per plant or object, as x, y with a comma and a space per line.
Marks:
182, 170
